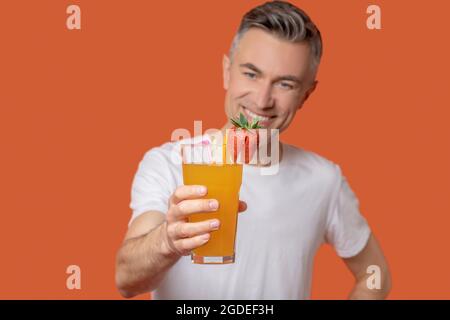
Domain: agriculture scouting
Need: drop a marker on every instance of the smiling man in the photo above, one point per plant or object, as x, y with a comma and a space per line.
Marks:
269, 73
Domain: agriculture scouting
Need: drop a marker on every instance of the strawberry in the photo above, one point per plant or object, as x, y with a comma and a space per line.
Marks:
243, 134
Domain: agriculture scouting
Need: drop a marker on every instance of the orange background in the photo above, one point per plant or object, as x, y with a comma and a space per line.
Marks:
80, 108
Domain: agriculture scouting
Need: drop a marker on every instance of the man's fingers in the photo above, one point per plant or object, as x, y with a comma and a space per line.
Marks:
242, 206
185, 246
188, 207
181, 230
187, 192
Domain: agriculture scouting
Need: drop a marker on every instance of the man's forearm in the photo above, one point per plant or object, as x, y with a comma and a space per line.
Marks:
142, 262
362, 292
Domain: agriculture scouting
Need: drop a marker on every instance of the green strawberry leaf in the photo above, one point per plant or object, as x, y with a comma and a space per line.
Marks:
243, 120
255, 124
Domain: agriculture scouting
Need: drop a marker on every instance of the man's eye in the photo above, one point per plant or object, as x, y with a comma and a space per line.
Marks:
250, 75
286, 85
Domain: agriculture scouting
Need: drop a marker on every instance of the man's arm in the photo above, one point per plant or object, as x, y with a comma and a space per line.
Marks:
154, 241
143, 259
371, 255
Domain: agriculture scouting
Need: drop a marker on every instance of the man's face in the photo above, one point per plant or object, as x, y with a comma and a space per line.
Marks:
268, 77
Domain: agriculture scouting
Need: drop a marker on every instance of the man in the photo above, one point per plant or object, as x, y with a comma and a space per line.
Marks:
270, 72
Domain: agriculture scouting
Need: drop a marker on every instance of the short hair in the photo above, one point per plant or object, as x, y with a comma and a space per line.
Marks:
285, 21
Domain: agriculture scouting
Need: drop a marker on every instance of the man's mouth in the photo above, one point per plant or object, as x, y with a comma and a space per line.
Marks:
263, 120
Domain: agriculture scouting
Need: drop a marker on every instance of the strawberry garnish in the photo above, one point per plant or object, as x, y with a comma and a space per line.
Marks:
243, 134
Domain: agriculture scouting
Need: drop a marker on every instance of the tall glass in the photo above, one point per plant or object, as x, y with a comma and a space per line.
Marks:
206, 165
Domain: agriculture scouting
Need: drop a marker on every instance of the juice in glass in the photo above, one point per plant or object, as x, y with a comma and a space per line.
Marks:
223, 181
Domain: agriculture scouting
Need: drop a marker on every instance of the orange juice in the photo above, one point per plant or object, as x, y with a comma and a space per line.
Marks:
223, 182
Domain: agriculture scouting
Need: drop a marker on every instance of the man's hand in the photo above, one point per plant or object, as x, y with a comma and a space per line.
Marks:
181, 236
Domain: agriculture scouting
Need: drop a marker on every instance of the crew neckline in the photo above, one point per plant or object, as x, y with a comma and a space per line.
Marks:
282, 163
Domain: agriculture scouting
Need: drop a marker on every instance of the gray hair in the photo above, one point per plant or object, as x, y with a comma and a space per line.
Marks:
285, 21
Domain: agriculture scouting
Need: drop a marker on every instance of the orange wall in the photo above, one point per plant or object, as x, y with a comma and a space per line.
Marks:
78, 109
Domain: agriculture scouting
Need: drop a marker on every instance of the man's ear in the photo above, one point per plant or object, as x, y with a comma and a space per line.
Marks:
308, 93
226, 71
310, 90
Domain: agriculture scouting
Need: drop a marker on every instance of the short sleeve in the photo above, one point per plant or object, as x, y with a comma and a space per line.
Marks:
152, 185
347, 230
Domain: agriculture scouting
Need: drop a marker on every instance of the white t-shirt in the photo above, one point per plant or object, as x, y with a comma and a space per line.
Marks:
289, 216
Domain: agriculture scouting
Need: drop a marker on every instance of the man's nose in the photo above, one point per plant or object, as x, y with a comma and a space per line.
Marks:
264, 97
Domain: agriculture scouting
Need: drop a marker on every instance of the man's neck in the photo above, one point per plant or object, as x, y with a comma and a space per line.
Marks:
269, 144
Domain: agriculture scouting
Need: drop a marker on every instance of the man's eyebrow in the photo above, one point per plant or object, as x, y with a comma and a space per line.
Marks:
251, 66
